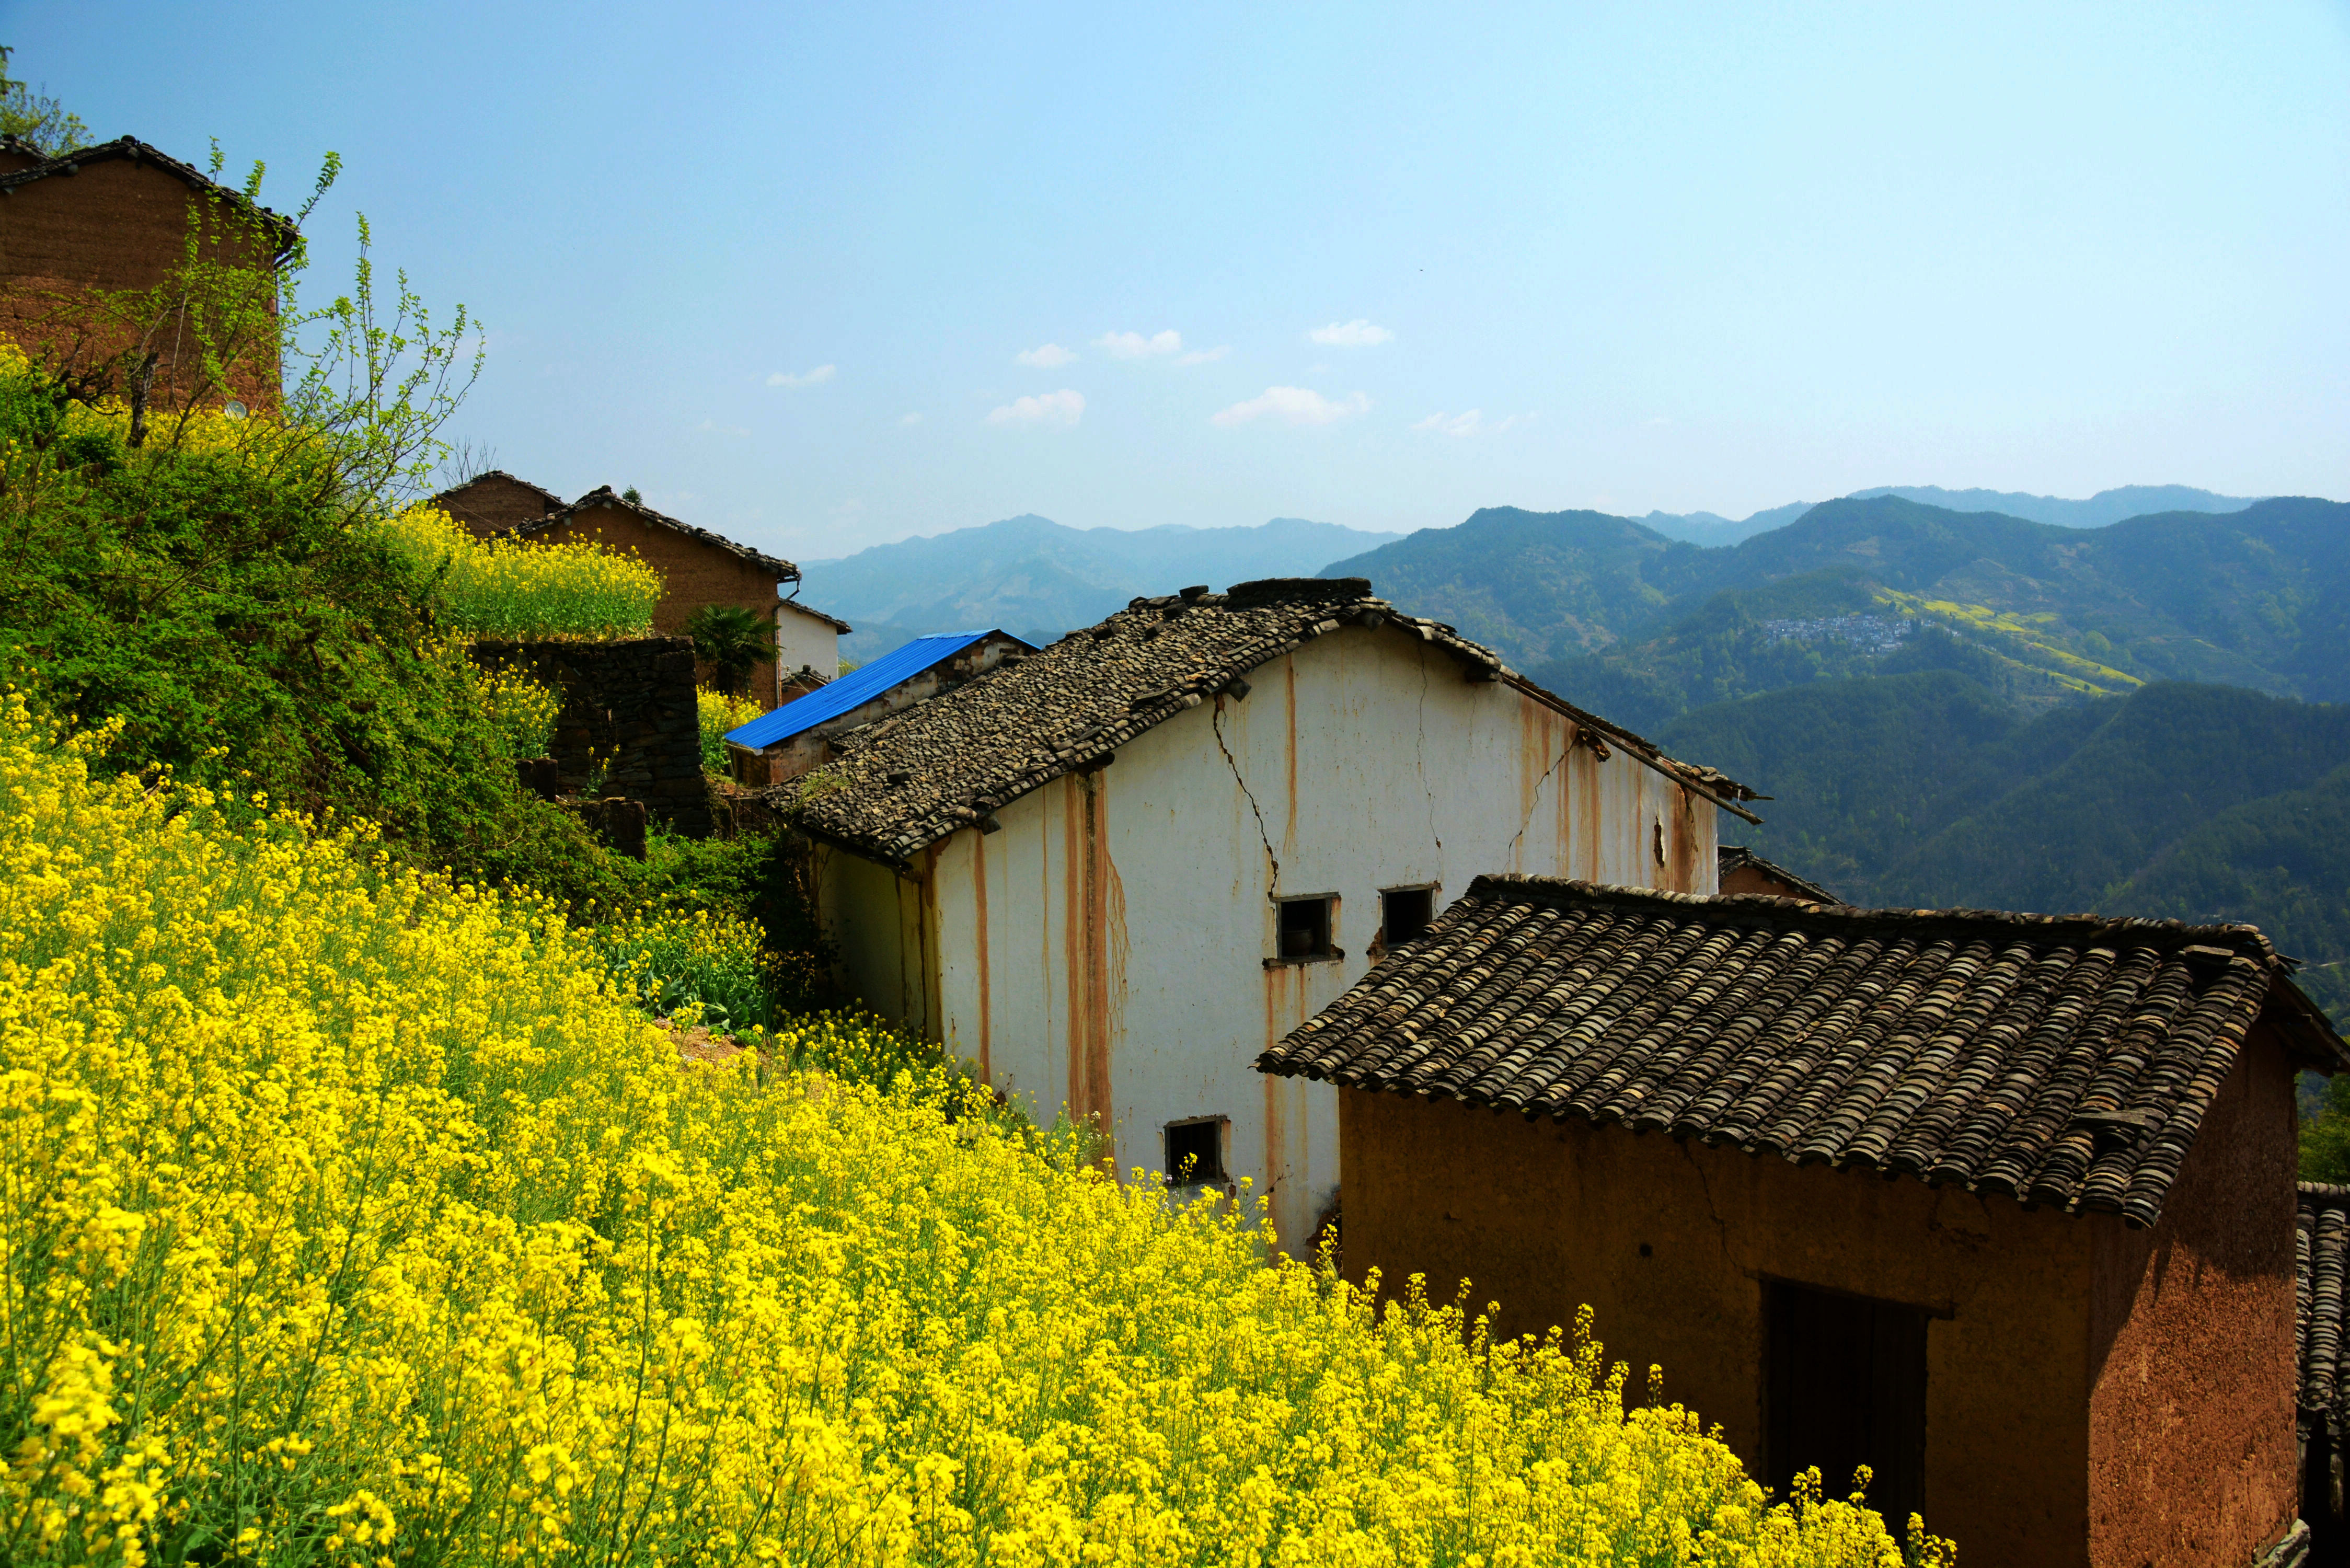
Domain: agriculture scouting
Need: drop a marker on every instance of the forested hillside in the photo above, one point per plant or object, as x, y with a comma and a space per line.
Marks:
1642, 627
2199, 802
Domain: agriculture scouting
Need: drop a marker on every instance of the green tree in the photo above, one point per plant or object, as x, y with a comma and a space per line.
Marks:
43, 123
730, 640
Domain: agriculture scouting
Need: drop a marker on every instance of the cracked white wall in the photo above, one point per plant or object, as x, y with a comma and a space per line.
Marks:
1106, 950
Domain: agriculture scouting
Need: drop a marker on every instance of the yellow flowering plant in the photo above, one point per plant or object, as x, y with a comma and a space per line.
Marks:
720, 712
350, 1215
511, 588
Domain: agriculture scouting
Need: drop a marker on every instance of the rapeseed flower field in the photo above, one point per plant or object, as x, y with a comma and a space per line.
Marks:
720, 712
350, 1215
505, 588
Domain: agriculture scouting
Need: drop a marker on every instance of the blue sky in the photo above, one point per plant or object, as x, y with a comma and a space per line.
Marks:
1373, 265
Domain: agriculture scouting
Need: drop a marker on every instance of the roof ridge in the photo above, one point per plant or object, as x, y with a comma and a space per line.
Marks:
71, 161
1762, 906
604, 495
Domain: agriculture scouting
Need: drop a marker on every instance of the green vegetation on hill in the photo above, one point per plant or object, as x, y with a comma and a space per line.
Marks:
2195, 802
1641, 627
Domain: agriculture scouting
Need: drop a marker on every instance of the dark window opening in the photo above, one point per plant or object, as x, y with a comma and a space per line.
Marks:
1847, 1387
1195, 1152
1404, 913
1306, 928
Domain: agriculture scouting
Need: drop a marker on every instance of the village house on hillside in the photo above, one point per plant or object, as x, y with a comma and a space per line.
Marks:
117, 217
779, 746
2000, 1204
697, 568
496, 503
1114, 871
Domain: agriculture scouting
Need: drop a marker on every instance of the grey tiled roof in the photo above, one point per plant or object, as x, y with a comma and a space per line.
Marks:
2058, 1060
2322, 1244
945, 762
138, 151
604, 495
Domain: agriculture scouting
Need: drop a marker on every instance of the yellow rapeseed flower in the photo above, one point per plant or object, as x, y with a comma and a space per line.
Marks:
348, 1216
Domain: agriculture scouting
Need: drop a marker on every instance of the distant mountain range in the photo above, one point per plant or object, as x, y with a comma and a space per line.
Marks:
1038, 579
2103, 507
1642, 627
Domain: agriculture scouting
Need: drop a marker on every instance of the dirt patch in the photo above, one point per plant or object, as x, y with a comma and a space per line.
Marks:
698, 1046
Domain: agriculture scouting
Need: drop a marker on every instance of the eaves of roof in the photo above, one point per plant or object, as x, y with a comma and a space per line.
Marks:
2066, 1061
138, 151
809, 610
946, 763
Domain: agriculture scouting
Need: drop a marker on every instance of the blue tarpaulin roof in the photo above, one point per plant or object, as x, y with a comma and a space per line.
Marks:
852, 691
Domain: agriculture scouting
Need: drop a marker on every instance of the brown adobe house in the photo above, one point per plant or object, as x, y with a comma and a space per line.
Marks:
496, 503
700, 568
117, 217
1743, 871
1998, 1204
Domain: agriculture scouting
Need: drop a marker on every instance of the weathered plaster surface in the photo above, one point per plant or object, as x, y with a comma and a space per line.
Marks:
1106, 951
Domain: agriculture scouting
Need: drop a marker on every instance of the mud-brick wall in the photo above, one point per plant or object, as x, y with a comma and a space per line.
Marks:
628, 707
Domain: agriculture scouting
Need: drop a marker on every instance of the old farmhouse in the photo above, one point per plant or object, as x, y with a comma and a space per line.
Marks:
118, 217
700, 568
496, 503
2000, 1204
1114, 871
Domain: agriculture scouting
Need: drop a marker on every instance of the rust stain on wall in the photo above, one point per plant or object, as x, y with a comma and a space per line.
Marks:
1588, 765
979, 948
1282, 984
1289, 700
1095, 979
1682, 873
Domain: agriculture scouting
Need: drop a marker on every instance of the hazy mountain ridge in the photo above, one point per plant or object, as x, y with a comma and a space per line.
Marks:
2107, 506
1036, 578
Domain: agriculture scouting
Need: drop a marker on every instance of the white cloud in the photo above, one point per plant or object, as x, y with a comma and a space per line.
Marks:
1356, 334
1472, 422
1062, 409
1135, 345
909, 419
816, 377
1205, 356
1046, 357
1292, 406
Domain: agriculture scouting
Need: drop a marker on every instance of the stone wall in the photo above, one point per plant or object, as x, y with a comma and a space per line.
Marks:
629, 709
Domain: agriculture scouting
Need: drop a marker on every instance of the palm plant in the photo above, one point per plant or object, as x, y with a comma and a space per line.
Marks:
730, 640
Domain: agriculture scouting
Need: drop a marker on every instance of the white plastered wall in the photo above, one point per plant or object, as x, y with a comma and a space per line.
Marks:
1106, 949
805, 638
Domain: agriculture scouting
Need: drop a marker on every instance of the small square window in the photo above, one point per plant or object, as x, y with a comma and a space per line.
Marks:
1306, 928
1404, 913
1195, 1152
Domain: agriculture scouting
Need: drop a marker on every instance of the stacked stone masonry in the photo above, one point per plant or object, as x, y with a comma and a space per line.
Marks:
627, 709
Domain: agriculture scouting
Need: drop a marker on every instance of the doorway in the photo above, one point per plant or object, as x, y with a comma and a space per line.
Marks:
1846, 1387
